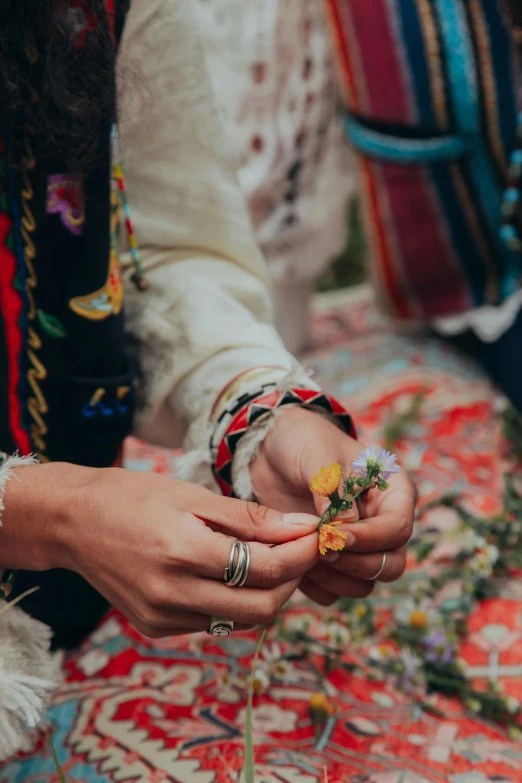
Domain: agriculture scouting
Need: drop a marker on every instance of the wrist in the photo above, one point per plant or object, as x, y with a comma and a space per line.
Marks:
41, 504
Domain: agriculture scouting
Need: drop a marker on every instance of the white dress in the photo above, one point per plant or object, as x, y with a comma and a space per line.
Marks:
272, 64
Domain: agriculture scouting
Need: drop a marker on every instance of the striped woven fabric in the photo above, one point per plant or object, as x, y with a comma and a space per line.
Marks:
430, 88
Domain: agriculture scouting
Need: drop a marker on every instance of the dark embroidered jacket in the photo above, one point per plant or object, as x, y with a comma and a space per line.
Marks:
66, 384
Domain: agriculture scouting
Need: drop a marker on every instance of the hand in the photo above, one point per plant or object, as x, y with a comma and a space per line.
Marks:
154, 547
300, 443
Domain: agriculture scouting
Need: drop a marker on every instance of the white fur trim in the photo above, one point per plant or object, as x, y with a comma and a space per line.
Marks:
247, 451
28, 672
6, 473
28, 676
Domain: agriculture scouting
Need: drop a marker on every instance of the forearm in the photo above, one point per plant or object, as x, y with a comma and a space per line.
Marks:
36, 521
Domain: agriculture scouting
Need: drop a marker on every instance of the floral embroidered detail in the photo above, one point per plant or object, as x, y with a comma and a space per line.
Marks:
108, 300
65, 198
51, 325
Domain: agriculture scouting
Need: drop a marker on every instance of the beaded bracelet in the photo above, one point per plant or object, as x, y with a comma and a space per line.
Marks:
512, 199
235, 421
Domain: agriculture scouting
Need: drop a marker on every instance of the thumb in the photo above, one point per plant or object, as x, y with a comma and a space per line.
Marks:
251, 522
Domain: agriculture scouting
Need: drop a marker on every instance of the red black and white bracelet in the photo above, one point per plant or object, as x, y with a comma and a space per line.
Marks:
252, 409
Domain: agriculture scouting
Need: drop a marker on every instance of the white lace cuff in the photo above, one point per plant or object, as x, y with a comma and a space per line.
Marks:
6, 472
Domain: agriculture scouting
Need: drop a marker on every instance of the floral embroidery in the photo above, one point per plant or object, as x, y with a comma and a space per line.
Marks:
65, 198
51, 325
108, 300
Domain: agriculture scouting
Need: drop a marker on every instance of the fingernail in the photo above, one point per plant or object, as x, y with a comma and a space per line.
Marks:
307, 520
350, 540
332, 557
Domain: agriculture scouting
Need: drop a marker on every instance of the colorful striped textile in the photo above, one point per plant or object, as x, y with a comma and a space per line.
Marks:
430, 90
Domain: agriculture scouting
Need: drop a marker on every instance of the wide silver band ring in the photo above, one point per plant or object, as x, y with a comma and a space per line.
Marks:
381, 569
219, 627
236, 573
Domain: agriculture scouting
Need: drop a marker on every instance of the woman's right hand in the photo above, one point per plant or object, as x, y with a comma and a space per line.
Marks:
155, 547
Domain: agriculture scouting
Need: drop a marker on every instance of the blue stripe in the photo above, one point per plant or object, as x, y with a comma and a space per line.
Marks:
417, 57
465, 98
400, 150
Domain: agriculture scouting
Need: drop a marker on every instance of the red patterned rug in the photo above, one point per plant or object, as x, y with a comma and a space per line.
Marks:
174, 711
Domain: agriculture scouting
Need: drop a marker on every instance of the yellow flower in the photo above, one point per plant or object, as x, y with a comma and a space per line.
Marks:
331, 538
418, 619
327, 481
320, 703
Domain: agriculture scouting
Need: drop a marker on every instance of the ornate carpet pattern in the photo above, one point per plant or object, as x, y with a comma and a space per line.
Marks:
171, 712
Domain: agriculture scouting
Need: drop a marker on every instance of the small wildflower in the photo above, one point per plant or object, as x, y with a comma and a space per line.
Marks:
411, 677
512, 705
514, 733
360, 611
321, 704
282, 670
473, 705
299, 623
376, 462
327, 482
483, 561
417, 614
337, 635
331, 538
381, 653
260, 681
438, 648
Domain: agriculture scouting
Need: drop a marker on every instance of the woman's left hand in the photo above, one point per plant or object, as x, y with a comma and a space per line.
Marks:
299, 444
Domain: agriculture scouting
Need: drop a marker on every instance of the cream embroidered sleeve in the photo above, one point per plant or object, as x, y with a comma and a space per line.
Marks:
207, 315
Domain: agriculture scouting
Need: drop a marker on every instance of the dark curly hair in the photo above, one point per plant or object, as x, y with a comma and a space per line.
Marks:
57, 61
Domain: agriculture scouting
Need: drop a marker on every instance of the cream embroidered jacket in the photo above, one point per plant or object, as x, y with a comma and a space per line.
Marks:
207, 316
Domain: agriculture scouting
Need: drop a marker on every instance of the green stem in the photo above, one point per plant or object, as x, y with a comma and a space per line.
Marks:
56, 760
250, 770
333, 508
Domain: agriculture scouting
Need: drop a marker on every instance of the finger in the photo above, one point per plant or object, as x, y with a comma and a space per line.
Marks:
401, 491
164, 632
160, 624
249, 521
367, 566
339, 584
351, 515
391, 526
248, 605
269, 566
315, 593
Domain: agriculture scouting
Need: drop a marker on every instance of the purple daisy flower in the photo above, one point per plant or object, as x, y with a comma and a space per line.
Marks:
438, 648
373, 458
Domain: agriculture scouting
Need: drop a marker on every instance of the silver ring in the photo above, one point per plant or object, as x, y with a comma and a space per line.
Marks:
381, 569
218, 627
238, 567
